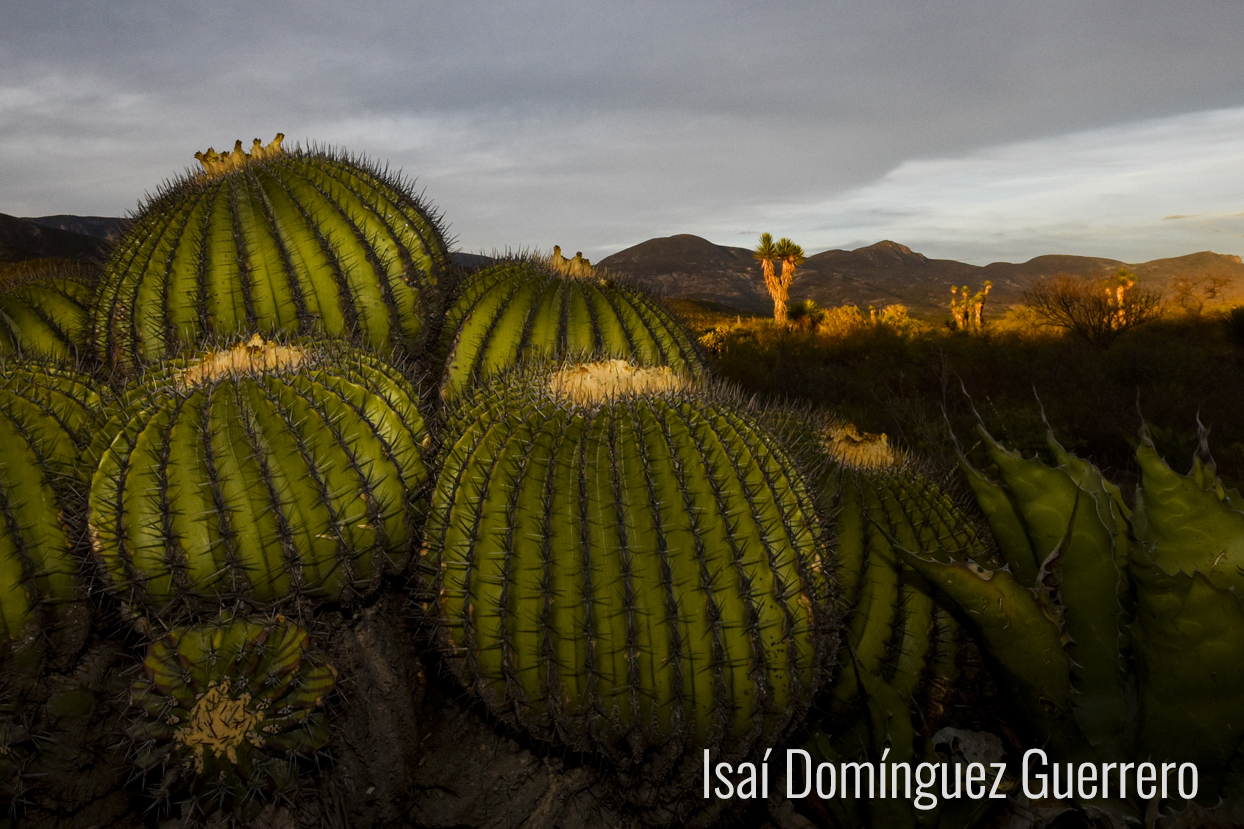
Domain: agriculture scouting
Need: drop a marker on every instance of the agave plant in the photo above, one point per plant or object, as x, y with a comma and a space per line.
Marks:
1118, 632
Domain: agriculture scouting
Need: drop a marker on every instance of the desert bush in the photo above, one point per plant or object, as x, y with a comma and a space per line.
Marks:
1095, 309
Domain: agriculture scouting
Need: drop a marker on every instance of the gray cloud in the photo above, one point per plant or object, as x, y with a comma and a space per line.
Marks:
593, 125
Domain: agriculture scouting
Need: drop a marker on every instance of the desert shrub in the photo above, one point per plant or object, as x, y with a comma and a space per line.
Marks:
1096, 310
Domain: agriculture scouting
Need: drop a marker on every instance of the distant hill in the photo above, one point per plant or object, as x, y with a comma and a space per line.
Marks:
108, 228
689, 267
22, 239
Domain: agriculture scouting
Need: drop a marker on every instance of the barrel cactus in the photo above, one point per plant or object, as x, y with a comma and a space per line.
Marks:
259, 472
45, 309
628, 565
526, 310
46, 417
228, 709
908, 652
293, 241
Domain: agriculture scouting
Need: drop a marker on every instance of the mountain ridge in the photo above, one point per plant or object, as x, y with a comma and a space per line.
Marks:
887, 272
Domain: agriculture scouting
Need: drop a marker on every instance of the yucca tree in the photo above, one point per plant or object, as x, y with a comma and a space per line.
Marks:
791, 256
766, 254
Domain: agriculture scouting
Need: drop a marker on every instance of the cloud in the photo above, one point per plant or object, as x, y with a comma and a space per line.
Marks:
1108, 192
597, 125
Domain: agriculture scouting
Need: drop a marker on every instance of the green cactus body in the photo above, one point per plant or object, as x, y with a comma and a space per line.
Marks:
45, 309
259, 472
878, 502
635, 574
524, 311
293, 242
46, 417
229, 708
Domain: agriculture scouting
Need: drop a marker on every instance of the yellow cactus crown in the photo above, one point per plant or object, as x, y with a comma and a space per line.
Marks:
218, 164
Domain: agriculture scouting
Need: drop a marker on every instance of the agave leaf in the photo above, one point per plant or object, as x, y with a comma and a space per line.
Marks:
1021, 638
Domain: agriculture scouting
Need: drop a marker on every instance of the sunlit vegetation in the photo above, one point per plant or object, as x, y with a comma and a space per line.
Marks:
890, 373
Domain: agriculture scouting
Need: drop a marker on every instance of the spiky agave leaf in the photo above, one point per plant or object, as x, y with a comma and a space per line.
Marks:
46, 416
1189, 631
229, 709
260, 473
294, 241
636, 572
45, 309
523, 311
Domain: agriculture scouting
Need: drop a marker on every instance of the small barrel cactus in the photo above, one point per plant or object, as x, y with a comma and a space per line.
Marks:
45, 309
230, 707
527, 310
272, 241
877, 498
259, 472
46, 417
628, 565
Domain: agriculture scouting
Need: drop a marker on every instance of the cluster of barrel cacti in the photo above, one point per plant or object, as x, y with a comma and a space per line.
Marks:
279, 403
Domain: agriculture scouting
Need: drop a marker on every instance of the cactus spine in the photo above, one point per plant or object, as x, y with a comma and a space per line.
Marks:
272, 241
258, 472
524, 310
634, 573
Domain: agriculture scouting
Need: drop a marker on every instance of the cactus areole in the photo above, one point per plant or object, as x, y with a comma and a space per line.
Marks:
630, 568
274, 240
261, 473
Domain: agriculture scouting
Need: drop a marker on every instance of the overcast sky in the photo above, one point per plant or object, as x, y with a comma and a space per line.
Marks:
978, 131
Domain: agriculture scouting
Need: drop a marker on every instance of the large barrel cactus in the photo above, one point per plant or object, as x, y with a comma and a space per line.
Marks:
526, 310
46, 417
45, 309
228, 708
258, 472
627, 565
272, 241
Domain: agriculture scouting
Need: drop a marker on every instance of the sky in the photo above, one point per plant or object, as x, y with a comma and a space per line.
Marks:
979, 131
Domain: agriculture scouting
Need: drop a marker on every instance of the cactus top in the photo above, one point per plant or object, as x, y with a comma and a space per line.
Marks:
300, 242
861, 450
255, 356
217, 164
595, 383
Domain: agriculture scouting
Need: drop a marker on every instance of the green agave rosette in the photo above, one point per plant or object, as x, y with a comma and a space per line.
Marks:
272, 241
630, 565
230, 708
526, 310
260, 472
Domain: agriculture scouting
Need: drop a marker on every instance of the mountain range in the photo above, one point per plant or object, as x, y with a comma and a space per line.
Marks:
690, 267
